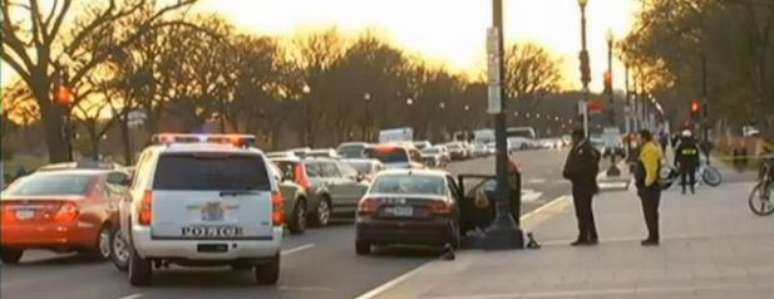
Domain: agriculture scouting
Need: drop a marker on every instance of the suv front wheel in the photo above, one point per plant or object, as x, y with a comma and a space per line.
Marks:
268, 273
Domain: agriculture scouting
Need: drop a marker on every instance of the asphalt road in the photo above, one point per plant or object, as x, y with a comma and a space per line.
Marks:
319, 264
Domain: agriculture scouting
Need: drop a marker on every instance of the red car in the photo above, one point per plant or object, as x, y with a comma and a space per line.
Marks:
61, 210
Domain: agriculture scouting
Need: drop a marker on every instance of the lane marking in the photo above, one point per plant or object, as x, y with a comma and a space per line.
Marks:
132, 296
296, 249
529, 195
395, 281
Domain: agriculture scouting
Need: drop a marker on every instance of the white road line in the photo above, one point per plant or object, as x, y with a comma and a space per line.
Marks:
296, 249
386, 286
132, 296
397, 280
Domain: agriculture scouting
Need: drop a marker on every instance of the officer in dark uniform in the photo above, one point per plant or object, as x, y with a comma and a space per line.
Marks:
687, 160
581, 169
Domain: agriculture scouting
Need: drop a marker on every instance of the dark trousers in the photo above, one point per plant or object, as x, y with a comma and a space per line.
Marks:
587, 230
687, 175
650, 200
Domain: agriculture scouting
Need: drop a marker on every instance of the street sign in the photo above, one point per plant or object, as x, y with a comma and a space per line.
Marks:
494, 59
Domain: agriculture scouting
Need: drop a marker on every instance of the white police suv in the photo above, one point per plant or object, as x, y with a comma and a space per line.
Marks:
203, 200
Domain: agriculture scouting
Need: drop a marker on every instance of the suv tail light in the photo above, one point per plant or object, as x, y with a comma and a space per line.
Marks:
302, 177
368, 206
278, 209
67, 212
440, 208
146, 208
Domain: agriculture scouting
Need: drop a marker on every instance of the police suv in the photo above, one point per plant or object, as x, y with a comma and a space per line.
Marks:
203, 200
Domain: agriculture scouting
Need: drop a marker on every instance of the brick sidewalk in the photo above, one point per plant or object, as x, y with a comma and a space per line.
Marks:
712, 247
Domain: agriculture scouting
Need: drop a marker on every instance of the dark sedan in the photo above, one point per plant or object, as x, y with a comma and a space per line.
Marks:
411, 207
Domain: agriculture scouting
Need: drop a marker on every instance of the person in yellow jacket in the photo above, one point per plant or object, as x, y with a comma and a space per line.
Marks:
648, 186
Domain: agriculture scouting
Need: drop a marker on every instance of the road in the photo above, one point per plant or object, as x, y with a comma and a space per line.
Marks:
319, 264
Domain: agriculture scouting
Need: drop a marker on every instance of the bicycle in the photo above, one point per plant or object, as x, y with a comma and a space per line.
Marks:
760, 196
705, 173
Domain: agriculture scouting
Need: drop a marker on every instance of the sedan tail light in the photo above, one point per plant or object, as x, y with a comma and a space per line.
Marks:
368, 206
146, 209
68, 212
278, 209
440, 208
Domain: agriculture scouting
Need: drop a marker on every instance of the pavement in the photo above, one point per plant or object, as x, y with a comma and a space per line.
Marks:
712, 247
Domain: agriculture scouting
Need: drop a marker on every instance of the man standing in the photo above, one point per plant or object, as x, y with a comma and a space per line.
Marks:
647, 174
687, 160
581, 169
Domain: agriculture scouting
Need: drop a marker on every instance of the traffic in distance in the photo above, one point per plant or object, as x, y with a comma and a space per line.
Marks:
201, 200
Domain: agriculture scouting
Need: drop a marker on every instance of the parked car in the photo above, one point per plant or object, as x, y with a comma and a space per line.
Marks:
479, 150
208, 203
457, 151
396, 156
275, 155
352, 150
409, 207
366, 168
83, 164
436, 156
332, 187
322, 153
295, 199
61, 210
421, 145
520, 143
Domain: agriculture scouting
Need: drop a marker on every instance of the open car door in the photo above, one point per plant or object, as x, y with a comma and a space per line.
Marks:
477, 209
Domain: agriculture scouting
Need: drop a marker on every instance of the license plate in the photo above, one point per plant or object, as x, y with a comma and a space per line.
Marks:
211, 231
400, 211
25, 214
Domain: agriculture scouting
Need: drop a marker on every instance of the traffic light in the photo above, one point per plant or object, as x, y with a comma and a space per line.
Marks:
695, 109
64, 96
608, 82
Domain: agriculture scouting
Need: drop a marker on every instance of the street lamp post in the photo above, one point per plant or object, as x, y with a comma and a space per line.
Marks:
613, 170
307, 117
367, 115
504, 232
585, 67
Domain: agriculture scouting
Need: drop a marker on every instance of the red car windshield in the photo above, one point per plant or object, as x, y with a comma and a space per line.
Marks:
50, 184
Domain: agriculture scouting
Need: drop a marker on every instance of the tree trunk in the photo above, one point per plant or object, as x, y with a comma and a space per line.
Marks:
125, 139
53, 121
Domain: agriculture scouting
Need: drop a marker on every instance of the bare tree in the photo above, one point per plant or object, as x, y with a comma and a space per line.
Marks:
43, 52
531, 73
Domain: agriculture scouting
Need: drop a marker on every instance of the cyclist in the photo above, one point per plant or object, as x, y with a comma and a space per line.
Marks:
687, 160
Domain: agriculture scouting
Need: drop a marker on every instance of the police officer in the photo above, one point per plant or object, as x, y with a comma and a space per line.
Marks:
687, 160
581, 169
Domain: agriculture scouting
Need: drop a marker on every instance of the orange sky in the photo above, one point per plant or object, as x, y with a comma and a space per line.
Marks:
448, 31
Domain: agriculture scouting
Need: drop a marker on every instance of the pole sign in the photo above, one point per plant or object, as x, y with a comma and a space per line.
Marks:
494, 59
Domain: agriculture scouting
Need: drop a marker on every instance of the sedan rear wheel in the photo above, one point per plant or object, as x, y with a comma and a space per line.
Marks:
10, 256
104, 242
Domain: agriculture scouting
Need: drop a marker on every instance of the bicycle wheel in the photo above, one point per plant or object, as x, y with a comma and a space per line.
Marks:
711, 176
759, 200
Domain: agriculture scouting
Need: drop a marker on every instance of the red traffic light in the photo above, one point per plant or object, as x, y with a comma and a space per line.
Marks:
64, 96
695, 106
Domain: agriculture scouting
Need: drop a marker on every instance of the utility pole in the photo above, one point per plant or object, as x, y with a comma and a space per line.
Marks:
504, 232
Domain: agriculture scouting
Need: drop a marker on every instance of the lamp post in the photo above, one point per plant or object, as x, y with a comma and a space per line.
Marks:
367, 116
442, 106
613, 170
584, 67
306, 90
504, 231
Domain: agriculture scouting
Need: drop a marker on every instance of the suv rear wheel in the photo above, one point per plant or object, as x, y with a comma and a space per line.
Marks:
140, 270
323, 213
297, 223
10, 256
268, 273
120, 253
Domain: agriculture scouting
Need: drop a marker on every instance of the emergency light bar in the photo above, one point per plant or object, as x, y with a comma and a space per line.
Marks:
240, 140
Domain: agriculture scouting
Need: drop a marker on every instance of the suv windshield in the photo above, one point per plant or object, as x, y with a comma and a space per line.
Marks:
409, 184
388, 155
51, 184
211, 171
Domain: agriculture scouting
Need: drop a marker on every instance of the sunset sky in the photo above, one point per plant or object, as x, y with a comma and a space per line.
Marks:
452, 32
